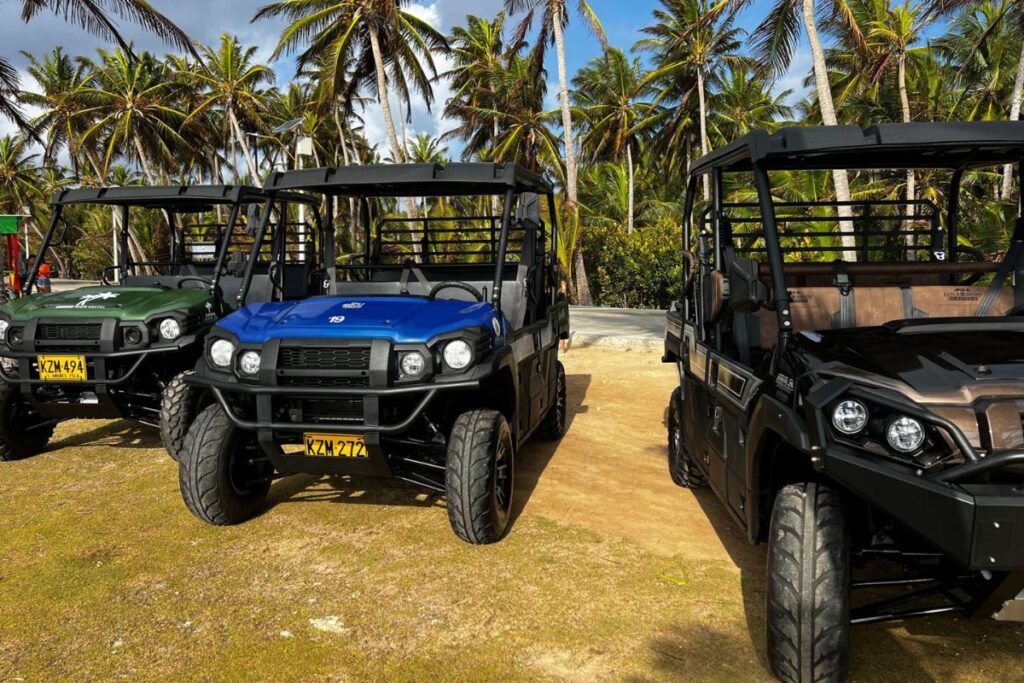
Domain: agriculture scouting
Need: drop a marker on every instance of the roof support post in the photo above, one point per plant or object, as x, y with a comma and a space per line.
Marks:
691, 190
26, 286
555, 230
953, 214
499, 266
328, 247
257, 244
771, 239
125, 255
222, 254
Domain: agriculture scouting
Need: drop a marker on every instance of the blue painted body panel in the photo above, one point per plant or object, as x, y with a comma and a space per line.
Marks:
401, 319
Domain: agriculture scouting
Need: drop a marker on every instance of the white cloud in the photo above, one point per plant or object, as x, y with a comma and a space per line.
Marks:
799, 68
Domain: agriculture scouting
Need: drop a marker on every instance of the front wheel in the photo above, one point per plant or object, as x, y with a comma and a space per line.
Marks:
681, 468
808, 587
22, 432
223, 476
478, 480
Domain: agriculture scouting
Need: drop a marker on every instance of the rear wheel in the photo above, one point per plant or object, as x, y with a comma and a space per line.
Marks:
552, 427
223, 476
478, 480
681, 467
808, 587
23, 433
179, 405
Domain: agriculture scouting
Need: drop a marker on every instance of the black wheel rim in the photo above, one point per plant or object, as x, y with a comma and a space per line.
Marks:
503, 477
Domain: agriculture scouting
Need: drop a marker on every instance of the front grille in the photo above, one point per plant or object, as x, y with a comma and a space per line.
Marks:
324, 358
49, 332
333, 411
334, 382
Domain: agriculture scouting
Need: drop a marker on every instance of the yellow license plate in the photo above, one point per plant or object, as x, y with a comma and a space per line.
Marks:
335, 446
62, 368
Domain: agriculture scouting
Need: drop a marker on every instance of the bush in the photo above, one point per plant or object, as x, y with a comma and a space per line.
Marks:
641, 270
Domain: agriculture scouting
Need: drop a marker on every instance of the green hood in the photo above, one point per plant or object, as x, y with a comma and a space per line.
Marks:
123, 303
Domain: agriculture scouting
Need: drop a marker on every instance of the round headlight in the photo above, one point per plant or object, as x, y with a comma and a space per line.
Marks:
17, 335
170, 329
132, 335
413, 364
3, 328
221, 352
905, 434
850, 416
249, 362
458, 355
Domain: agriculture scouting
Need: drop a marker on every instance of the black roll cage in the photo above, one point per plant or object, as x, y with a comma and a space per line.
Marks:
957, 147
172, 200
396, 181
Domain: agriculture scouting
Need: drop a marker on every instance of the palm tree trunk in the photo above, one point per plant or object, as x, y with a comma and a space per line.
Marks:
1015, 104
840, 178
571, 170
150, 178
353, 223
249, 163
901, 73
703, 129
382, 95
632, 188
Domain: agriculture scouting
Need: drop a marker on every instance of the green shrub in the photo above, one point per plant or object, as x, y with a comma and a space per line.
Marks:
641, 270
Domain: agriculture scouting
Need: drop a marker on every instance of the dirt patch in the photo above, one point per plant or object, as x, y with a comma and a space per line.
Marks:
610, 572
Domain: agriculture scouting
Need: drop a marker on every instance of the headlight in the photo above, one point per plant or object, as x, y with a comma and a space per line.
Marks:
221, 352
249, 362
458, 355
3, 329
905, 434
413, 364
170, 329
132, 336
850, 416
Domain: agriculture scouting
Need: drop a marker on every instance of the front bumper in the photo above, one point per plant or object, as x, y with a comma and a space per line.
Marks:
968, 511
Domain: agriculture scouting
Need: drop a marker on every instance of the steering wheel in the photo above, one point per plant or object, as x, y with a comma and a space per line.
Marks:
973, 278
194, 278
456, 285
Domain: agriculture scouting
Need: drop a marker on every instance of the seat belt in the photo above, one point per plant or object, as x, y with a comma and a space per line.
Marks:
847, 309
1010, 263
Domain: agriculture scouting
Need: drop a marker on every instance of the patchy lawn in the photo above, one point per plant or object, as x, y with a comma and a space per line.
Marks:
609, 573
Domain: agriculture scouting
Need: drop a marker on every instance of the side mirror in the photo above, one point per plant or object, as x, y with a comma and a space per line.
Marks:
528, 211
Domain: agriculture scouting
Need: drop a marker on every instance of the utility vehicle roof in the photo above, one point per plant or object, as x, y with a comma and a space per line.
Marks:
885, 145
171, 197
412, 180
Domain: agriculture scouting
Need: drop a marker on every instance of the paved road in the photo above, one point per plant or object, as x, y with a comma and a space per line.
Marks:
618, 327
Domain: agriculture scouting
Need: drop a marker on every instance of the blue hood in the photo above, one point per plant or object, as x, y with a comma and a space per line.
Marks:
400, 319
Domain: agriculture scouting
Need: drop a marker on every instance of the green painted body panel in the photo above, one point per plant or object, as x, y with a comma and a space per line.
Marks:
120, 302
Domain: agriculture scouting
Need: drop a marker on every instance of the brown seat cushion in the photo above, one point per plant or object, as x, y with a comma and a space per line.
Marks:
959, 301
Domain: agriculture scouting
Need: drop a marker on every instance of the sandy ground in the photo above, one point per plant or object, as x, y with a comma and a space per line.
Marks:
609, 573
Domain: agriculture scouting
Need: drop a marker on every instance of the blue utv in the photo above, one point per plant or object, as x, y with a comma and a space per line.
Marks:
432, 359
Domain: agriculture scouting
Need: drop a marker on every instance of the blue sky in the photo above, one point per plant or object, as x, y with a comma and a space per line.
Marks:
205, 20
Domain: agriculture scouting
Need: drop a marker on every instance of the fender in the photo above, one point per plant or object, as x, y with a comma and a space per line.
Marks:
770, 415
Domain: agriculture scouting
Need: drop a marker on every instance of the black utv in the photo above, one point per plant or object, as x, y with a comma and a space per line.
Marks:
852, 387
120, 349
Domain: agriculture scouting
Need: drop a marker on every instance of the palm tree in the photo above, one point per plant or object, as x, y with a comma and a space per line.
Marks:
98, 18
478, 56
741, 102
892, 37
690, 40
609, 92
774, 41
232, 82
62, 81
386, 44
135, 110
554, 18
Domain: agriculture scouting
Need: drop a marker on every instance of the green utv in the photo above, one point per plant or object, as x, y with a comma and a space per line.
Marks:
121, 349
